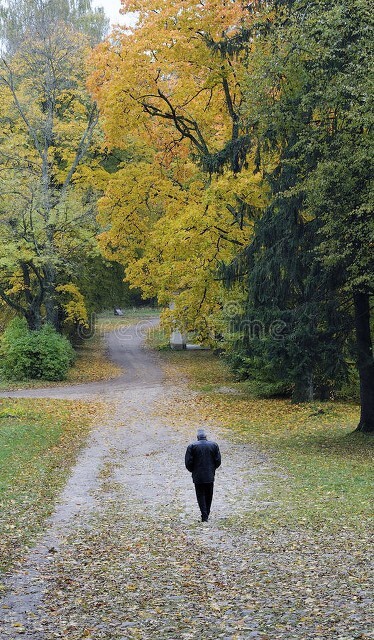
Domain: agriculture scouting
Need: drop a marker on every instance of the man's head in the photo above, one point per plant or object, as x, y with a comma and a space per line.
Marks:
201, 434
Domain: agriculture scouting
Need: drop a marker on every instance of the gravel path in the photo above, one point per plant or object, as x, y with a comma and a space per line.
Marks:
125, 557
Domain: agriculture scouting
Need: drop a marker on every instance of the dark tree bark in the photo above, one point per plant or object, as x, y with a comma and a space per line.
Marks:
365, 361
303, 390
34, 320
52, 311
34, 301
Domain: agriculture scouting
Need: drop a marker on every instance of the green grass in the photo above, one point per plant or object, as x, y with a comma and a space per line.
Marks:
321, 472
109, 321
196, 362
39, 441
327, 477
158, 339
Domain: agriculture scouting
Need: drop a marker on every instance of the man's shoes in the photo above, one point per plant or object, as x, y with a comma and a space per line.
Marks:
204, 518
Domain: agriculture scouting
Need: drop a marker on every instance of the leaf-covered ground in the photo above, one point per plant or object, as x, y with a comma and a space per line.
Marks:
326, 469
126, 557
39, 441
142, 576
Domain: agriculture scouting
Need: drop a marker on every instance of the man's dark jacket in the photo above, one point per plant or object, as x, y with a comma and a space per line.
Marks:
202, 459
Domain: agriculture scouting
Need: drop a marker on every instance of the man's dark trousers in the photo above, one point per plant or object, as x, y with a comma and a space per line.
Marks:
204, 495
202, 459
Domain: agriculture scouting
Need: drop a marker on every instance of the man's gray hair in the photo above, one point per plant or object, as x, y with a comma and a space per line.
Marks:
201, 434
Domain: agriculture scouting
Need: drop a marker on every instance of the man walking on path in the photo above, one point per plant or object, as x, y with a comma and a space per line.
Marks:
202, 459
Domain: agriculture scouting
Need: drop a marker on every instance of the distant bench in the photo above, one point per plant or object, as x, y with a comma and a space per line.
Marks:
118, 312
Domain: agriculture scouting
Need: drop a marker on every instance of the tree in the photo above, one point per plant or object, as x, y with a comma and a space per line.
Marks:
182, 67
319, 72
174, 213
19, 17
227, 96
48, 125
340, 190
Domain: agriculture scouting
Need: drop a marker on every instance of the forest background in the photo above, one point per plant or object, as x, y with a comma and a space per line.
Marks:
218, 155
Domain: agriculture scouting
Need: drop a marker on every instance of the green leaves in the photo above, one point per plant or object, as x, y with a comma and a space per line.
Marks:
47, 129
42, 354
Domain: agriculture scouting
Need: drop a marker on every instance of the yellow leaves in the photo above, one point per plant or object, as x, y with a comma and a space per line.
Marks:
183, 247
46, 129
215, 16
17, 284
132, 201
164, 219
170, 226
167, 56
75, 308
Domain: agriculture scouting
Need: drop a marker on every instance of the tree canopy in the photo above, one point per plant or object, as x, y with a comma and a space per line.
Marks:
190, 201
48, 128
255, 126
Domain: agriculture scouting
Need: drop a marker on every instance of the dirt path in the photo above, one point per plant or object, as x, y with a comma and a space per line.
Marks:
125, 557
141, 370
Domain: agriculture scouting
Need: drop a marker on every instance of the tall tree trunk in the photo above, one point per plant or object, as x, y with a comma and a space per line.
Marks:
33, 318
34, 298
365, 361
304, 389
50, 298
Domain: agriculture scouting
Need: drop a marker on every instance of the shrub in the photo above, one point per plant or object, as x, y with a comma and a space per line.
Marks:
53, 354
16, 351
43, 355
262, 379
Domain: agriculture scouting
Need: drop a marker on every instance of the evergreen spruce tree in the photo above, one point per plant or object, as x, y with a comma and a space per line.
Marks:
310, 264
291, 296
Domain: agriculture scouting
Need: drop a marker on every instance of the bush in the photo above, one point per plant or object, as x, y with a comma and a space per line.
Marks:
53, 354
43, 355
16, 351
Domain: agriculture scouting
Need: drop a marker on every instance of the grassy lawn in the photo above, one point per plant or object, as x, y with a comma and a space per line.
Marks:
109, 322
323, 473
39, 441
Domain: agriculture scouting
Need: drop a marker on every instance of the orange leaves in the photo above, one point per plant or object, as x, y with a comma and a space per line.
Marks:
214, 16
166, 68
170, 221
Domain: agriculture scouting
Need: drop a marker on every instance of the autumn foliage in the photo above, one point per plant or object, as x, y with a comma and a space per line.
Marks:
180, 202
232, 120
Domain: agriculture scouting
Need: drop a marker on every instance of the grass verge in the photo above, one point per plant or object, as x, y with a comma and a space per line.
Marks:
39, 441
324, 474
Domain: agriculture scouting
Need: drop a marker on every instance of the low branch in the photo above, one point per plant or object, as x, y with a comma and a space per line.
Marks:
12, 303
